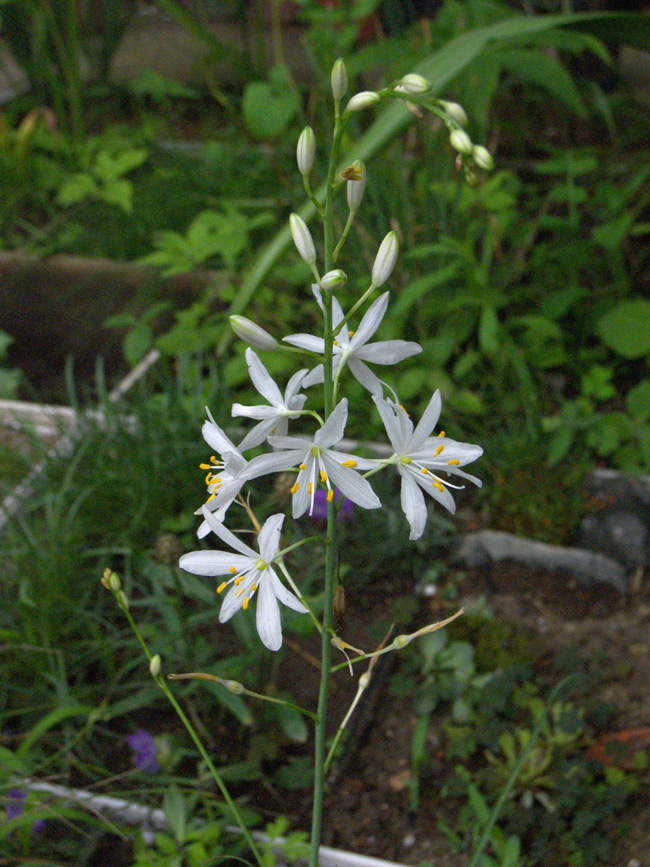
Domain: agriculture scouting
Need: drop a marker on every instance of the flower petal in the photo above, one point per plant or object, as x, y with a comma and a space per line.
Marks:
232, 602
262, 380
389, 417
214, 562
443, 496
413, 505
285, 595
257, 435
332, 431
223, 533
306, 341
272, 462
269, 625
257, 412
370, 322
350, 483
362, 373
293, 387
216, 438
427, 423
388, 351
268, 539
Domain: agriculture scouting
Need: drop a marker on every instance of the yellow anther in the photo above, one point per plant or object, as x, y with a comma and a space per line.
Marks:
239, 592
349, 464
330, 495
403, 410
438, 486
205, 467
208, 478
425, 470
453, 462
213, 459
310, 487
302, 467
245, 602
439, 450
233, 571
253, 588
294, 488
238, 581
442, 434
222, 587
336, 343
323, 476
211, 497
351, 333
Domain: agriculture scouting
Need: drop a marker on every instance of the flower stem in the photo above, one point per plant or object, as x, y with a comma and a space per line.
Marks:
331, 546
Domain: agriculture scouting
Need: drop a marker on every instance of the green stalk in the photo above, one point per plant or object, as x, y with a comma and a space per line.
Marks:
331, 544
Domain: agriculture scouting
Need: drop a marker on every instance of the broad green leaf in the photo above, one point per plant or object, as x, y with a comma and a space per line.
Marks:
488, 331
533, 65
637, 401
118, 192
269, 107
292, 722
137, 342
626, 328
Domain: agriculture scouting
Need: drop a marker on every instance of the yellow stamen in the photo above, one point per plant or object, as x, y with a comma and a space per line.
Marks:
245, 602
323, 476
336, 343
222, 587
439, 450
238, 581
302, 467
205, 467
425, 470
295, 488
254, 588
403, 410
330, 495
349, 464
351, 333
233, 571
211, 497
438, 486
208, 478
442, 434
239, 592
453, 462
310, 487
213, 459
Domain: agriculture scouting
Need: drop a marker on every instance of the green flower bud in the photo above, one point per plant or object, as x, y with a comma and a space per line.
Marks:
122, 599
114, 582
253, 334
306, 150
415, 84
154, 665
482, 157
333, 280
385, 259
362, 100
455, 111
302, 239
233, 686
339, 79
461, 142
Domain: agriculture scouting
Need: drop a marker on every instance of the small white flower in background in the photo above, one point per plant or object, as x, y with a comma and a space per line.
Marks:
224, 477
249, 572
482, 157
318, 462
420, 457
302, 239
252, 333
455, 111
385, 259
339, 79
273, 418
352, 347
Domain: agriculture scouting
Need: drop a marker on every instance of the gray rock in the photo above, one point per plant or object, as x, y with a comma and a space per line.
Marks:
491, 546
618, 534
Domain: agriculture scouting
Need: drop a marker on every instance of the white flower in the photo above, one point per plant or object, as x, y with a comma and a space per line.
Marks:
250, 571
223, 486
317, 461
302, 239
385, 259
352, 347
273, 418
252, 333
420, 457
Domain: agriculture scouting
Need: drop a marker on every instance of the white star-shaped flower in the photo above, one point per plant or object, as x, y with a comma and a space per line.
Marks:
250, 571
318, 462
273, 418
420, 458
224, 479
352, 347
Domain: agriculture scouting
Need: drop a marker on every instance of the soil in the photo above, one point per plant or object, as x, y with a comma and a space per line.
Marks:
367, 811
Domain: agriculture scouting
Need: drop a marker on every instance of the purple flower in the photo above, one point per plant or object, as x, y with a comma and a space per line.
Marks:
319, 513
15, 803
144, 747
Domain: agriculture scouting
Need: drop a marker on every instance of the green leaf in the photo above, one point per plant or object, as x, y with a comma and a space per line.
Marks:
292, 722
76, 189
137, 342
47, 722
626, 328
533, 65
637, 401
269, 107
175, 812
118, 192
488, 331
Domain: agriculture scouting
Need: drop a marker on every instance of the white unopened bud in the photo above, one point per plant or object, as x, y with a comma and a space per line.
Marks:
114, 582
356, 188
333, 280
461, 142
339, 79
154, 665
482, 157
385, 259
233, 686
302, 239
362, 100
415, 84
455, 111
306, 150
252, 333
